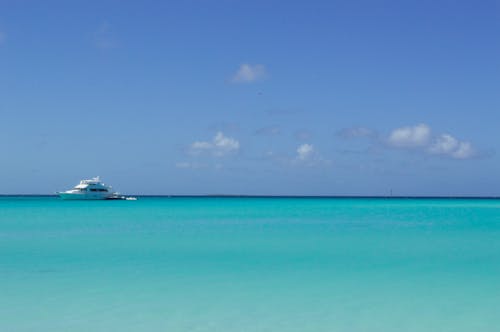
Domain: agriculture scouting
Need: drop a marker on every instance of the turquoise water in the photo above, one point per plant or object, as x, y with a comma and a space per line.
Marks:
249, 264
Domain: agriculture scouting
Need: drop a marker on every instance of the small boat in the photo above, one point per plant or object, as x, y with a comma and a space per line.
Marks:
91, 189
117, 196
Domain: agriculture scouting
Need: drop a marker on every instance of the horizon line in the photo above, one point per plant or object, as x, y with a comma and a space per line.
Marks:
281, 196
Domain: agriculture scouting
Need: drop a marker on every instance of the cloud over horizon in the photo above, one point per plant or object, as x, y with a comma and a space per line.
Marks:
305, 151
410, 136
219, 146
447, 145
420, 137
416, 138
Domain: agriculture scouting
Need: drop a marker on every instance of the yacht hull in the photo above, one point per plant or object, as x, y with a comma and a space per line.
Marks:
83, 196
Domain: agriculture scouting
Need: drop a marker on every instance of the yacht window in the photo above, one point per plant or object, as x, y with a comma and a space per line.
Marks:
93, 189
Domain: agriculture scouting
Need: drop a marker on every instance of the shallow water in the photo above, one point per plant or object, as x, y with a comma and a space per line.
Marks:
249, 264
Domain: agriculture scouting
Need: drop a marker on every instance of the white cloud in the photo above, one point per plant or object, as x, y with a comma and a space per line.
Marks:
416, 136
448, 145
464, 151
219, 146
305, 155
249, 73
444, 144
420, 138
224, 145
305, 152
308, 156
198, 146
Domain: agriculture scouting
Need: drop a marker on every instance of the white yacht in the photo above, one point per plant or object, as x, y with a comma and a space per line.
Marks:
90, 189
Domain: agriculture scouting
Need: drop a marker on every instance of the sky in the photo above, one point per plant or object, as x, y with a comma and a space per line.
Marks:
251, 97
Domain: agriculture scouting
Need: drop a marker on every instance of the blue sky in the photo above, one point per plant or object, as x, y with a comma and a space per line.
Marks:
251, 97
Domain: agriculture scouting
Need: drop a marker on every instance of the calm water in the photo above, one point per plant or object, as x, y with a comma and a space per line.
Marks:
249, 264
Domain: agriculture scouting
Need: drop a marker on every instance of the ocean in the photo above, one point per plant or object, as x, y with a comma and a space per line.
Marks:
249, 264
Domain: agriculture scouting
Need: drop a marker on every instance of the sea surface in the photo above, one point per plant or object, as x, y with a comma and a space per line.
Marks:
250, 264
